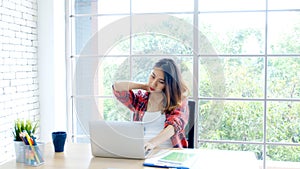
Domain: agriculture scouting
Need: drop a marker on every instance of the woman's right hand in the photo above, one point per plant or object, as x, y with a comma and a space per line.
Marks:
145, 87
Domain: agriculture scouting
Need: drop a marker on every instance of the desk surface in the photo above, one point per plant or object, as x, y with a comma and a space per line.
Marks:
78, 156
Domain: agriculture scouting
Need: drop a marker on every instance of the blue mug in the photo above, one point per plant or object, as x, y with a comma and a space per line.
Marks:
59, 139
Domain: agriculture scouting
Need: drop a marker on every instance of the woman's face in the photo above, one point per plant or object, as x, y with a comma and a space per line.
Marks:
156, 80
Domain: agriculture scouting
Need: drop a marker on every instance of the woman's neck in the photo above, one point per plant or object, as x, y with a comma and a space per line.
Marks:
155, 102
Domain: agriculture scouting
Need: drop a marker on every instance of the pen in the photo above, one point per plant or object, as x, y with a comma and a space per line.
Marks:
165, 166
23, 138
38, 151
32, 147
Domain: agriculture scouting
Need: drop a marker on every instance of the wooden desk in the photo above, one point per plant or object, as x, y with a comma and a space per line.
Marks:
78, 156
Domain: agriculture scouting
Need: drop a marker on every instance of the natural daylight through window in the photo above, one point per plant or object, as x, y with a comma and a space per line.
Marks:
240, 59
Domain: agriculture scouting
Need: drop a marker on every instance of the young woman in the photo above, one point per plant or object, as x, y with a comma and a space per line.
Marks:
161, 104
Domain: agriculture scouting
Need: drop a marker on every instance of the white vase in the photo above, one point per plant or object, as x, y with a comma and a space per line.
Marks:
20, 151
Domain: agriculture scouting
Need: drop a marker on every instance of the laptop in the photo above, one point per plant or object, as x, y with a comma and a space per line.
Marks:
117, 139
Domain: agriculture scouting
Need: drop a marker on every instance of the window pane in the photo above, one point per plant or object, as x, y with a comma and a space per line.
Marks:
283, 153
152, 6
85, 69
283, 33
221, 5
280, 4
283, 119
234, 33
231, 120
102, 6
114, 110
284, 77
85, 110
82, 6
238, 77
158, 44
211, 77
95, 75
101, 35
93, 108
162, 34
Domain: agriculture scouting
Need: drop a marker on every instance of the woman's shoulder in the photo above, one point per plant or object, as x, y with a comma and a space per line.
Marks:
184, 100
181, 106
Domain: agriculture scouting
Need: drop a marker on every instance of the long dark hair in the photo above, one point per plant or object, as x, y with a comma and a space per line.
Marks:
175, 89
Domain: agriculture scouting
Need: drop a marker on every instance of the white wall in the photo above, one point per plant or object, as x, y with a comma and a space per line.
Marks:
19, 88
32, 68
51, 66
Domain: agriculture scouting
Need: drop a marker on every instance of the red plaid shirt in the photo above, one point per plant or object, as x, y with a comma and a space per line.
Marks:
137, 102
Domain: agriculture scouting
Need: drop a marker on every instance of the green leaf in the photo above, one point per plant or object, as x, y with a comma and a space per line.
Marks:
21, 126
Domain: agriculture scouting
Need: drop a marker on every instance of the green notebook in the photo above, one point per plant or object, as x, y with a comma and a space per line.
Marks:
183, 159
179, 157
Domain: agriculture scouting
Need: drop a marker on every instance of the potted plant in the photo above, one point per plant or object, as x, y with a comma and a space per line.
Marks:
21, 126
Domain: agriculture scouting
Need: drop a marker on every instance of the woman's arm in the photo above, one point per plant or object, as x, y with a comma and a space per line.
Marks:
128, 85
164, 135
174, 125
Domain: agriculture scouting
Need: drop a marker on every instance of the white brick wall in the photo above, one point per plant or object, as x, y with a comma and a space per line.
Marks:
19, 96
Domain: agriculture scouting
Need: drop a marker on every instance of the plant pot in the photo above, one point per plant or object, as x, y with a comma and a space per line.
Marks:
20, 151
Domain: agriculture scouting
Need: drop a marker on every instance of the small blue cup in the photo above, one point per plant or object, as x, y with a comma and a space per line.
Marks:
59, 139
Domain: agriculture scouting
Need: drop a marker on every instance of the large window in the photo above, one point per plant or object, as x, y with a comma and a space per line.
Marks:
240, 59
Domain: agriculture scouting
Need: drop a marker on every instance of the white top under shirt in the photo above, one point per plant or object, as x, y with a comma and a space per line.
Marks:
154, 124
